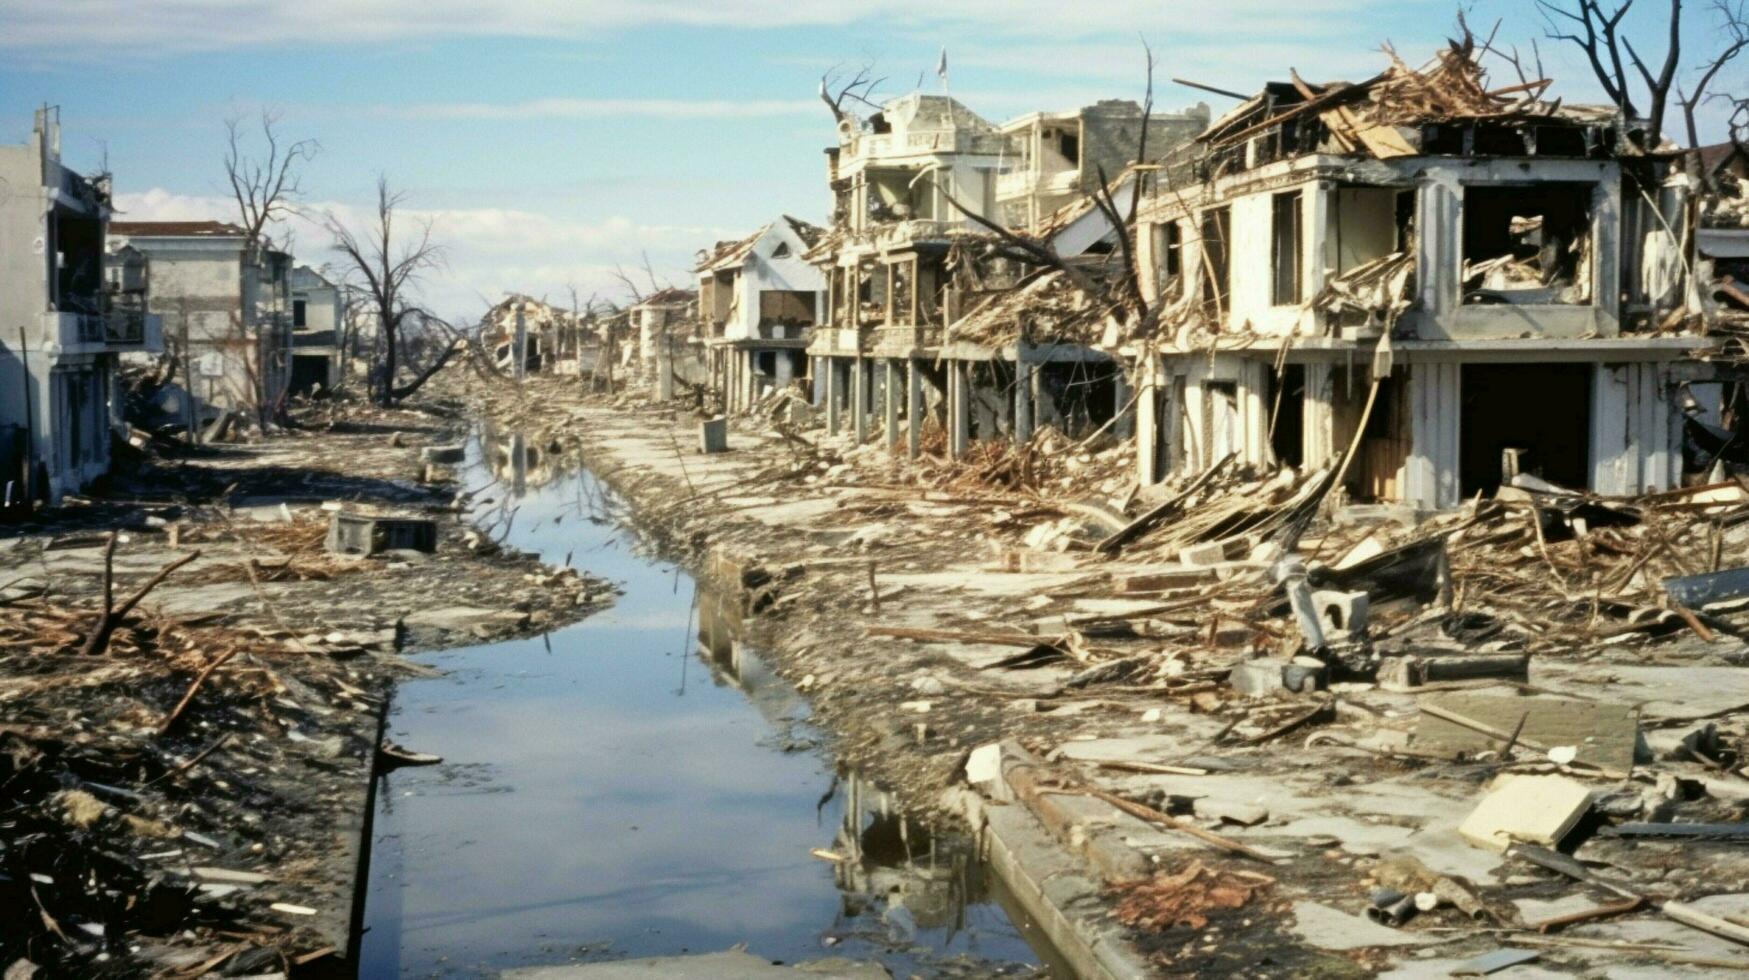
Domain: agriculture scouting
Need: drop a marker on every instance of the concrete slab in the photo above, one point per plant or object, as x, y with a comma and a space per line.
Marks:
1327, 928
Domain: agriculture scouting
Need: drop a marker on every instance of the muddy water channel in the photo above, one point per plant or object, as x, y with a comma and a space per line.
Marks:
641, 784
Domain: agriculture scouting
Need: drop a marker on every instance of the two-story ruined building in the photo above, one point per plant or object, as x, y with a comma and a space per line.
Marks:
758, 301
922, 192
226, 306
62, 329
1456, 282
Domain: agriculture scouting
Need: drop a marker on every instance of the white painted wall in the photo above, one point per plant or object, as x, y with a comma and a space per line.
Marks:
763, 270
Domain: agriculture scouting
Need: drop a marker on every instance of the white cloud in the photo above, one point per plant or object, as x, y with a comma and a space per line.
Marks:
488, 251
169, 26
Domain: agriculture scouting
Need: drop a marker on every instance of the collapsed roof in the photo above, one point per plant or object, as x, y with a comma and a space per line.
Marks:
730, 254
1407, 111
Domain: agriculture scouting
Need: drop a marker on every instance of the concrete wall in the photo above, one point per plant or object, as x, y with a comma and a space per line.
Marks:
1439, 218
763, 270
1636, 429
228, 305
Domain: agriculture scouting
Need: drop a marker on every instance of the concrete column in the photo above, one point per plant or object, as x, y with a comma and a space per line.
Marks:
1023, 369
1148, 465
819, 371
913, 409
832, 400
959, 409
1125, 426
890, 403
785, 370
664, 373
859, 393
1318, 431
1431, 477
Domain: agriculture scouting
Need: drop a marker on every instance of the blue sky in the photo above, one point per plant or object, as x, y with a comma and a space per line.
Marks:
550, 140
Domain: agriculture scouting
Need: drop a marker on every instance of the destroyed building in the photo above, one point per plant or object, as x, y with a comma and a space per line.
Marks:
226, 307
1457, 282
666, 322
758, 300
316, 320
926, 279
521, 320
1059, 156
65, 328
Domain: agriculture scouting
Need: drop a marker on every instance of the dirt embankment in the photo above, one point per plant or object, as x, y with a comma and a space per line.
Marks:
190, 793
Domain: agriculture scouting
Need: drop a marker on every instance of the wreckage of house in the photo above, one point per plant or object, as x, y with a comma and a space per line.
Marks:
68, 320
929, 302
1444, 283
758, 301
316, 336
226, 304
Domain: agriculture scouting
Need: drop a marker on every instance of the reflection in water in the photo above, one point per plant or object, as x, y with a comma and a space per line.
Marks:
603, 798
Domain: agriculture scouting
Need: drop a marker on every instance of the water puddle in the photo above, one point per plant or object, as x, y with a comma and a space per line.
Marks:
642, 784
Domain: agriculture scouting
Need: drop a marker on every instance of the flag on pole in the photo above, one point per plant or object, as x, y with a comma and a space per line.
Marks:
941, 68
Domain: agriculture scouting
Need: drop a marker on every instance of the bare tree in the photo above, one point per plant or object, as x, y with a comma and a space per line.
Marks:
265, 188
1037, 252
1595, 27
836, 90
1734, 27
391, 268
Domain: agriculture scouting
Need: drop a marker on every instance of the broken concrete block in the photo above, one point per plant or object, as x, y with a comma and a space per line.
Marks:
713, 435
1227, 811
1606, 735
442, 454
1526, 809
1203, 555
984, 768
1342, 613
355, 534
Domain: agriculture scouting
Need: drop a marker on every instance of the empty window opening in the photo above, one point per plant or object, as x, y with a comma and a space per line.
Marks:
1542, 412
300, 313
1368, 223
786, 307
1069, 145
1287, 415
1217, 233
1077, 397
1284, 241
1528, 243
1172, 249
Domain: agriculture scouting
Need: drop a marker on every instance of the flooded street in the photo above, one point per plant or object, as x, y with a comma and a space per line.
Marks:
640, 784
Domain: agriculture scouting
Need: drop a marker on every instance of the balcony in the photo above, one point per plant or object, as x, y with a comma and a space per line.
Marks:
312, 338
97, 333
134, 330
74, 333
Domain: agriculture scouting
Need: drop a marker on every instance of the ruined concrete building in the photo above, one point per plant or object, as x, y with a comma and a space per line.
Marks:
226, 306
923, 192
62, 325
315, 319
1455, 281
666, 322
758, 301
1059, 156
